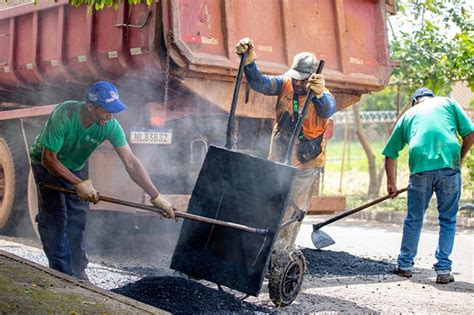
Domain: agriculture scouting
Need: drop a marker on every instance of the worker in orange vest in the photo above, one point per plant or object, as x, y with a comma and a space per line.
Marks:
291, 88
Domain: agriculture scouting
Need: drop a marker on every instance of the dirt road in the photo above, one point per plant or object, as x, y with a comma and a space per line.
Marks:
352, 275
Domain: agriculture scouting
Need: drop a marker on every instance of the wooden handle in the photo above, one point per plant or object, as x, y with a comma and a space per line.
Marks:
364, 206
231, 121
179, 214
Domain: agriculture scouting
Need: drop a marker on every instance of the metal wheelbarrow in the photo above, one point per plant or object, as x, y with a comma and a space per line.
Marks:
246, 190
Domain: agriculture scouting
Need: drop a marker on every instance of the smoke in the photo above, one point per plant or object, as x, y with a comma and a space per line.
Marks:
195, 124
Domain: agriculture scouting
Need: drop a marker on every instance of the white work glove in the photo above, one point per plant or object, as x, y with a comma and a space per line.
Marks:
317, 84
85, 191
242, 46
163, 204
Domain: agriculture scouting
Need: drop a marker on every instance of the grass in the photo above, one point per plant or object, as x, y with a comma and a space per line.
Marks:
355, 157
352, 177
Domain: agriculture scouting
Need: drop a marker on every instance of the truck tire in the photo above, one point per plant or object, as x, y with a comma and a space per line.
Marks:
14, 168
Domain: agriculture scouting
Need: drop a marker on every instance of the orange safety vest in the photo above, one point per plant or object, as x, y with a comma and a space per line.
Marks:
313, 126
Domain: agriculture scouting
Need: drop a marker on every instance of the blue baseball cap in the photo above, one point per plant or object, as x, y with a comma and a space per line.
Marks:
421, 92
105, 95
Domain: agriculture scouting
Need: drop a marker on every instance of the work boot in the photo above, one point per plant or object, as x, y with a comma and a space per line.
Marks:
82, 276
402, 273
444, 278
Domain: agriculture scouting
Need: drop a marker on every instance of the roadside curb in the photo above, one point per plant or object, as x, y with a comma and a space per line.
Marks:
399, 217
94, 295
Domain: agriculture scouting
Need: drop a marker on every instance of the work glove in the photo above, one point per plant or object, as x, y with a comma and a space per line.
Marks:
242, 46
316, 84
163, 204
85, 191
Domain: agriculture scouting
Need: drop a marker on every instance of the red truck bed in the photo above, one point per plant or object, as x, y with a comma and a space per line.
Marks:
54, 44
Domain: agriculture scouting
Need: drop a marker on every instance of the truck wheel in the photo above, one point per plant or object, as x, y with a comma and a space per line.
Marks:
286, 277
14, 169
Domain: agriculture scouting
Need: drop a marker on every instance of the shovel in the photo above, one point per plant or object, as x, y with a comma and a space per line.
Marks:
179, 214
321, 239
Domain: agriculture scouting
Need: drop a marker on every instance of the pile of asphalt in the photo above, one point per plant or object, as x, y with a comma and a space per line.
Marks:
182, 296
324, 263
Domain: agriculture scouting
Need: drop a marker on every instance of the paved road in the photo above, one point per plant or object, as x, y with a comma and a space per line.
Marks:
386, 292
382, 241
342, 287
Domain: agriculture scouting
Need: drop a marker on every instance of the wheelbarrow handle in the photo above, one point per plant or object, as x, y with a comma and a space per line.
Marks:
179, 214
317, 226
231, 121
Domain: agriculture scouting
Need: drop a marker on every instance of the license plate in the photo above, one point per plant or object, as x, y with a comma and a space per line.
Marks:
151, 137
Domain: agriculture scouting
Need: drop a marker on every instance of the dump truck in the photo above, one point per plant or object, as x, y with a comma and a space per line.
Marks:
175, 66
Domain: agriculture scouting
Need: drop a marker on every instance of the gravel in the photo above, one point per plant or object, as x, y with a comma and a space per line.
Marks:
104, 276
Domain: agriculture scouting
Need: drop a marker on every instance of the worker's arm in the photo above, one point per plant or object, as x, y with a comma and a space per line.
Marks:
268, 85
54, 166
139, 175
265, 84
467, 142
390, 171
84, 188
325, 105
465, 128
136, 170
323, 100
394, 145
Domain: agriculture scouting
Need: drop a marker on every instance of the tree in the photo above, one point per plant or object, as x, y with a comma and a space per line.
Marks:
435, 47
100, 4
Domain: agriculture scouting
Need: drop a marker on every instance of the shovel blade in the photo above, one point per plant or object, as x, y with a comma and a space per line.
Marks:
321, 239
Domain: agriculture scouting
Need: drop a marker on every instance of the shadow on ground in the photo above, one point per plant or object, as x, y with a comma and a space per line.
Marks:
457, 286
321, 303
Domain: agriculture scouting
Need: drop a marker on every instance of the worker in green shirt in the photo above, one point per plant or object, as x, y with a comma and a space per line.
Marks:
59, 157
430, 128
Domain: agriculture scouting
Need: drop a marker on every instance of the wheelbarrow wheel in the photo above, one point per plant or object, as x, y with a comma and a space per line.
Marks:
286, 277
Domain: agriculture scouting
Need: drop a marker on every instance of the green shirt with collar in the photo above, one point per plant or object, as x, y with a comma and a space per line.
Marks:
431, 130
65, 135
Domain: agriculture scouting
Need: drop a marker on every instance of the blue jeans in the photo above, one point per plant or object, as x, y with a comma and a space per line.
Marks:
446, 183
61, 222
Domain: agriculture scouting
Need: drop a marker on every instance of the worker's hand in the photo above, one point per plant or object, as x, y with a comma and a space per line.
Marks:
242, 46
316, 84
392, 189
85, 191
163, 204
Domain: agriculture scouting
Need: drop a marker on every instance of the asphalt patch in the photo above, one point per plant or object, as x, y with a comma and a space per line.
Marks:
323, 263
182, 296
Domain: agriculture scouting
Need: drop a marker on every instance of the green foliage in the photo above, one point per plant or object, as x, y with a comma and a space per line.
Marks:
100, 4
436, 45
385, 99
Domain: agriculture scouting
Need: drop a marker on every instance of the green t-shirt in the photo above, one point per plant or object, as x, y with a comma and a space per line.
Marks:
431, 130
65, 135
